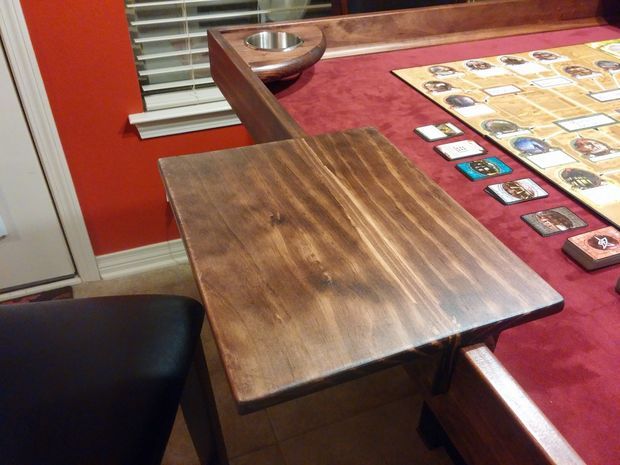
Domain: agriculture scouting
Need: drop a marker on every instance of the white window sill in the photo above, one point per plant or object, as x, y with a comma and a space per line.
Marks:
210, 115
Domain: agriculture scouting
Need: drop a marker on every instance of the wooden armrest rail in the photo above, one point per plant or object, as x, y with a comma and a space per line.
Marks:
491, 420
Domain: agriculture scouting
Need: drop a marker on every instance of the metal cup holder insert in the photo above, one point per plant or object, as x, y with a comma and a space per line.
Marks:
273, 41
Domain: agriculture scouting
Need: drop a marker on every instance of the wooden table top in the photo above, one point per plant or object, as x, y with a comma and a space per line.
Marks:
322, 258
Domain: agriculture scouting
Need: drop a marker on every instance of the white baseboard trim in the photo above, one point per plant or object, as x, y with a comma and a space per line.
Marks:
119, 264
41, 288
141, 259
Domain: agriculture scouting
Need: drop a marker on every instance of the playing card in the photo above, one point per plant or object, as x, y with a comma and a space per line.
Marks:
483, 168
434, 132
460, 149
521, 190
553, 221
598, 244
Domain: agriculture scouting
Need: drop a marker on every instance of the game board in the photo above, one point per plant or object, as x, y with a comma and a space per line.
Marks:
556, 110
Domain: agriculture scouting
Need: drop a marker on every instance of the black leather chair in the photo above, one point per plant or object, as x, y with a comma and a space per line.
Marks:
97, 381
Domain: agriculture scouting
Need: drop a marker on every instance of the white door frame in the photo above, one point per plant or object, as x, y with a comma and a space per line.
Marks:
23, 63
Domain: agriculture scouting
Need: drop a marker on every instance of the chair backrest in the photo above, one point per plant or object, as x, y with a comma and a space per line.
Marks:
93, 381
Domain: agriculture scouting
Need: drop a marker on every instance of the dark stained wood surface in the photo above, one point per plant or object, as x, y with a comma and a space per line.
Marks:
447, 23
274, 65
200, 413
351, 49
323, 258
417, 27
491, 420
255, 105
267, 121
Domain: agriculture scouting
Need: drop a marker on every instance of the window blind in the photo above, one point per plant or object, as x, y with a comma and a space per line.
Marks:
169, 39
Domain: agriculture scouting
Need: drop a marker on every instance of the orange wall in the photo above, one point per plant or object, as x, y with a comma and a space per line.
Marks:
85, 57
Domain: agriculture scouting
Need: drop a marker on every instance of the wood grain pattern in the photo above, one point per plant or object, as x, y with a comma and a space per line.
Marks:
354, 31
364, 33
323, 258
379, 32
255, 105
460, 36
491, 420
267, 121
273, 66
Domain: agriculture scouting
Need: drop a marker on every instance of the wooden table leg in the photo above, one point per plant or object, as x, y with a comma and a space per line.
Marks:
443, 375
199, 410
433, 435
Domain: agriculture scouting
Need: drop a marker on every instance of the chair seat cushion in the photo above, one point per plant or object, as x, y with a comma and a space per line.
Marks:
93, 381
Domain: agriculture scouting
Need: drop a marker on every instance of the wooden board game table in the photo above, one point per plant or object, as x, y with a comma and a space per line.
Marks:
352, 87
324, 258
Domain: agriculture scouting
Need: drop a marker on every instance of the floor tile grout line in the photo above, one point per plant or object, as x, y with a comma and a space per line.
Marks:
352, 415
349, 417
180, 281
275, 437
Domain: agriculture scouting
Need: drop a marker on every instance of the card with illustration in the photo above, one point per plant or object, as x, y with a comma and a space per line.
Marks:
598, 244
483, 168
521, 190
595, 249
553, 221
434, 132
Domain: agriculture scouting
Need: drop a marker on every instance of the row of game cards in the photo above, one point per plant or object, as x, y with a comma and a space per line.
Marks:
511, 192
592, 250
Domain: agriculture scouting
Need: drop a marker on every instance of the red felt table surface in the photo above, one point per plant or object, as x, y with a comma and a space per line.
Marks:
568, 363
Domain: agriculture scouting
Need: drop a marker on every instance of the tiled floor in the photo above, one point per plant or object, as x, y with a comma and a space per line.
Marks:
369, 421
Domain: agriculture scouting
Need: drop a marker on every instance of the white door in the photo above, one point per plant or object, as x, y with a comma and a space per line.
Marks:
33, 249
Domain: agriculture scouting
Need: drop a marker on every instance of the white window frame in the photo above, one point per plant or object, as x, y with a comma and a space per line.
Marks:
194, 110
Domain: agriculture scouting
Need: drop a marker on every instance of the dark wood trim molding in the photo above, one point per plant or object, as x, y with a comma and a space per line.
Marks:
255, 105
346, 35
491, 420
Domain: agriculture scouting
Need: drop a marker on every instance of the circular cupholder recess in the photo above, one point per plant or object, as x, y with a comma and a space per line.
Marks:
273, 41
